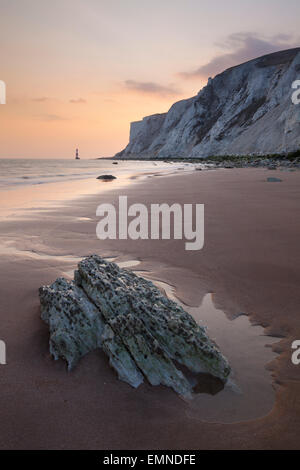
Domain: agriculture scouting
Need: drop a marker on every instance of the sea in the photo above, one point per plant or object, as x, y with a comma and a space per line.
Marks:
26, 172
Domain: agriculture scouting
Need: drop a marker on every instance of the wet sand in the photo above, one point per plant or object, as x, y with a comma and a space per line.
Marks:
250, 262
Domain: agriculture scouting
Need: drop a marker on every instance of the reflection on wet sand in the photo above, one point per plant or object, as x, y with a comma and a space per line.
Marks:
249, 392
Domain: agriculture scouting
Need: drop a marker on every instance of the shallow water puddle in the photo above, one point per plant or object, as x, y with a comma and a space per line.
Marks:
8, 248
128, 264
249, 393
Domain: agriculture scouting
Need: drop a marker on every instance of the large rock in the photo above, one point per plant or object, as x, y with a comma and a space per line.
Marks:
143, 333
245, 110
77, 327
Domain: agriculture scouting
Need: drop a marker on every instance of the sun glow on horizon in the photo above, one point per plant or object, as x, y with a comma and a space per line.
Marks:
78, 72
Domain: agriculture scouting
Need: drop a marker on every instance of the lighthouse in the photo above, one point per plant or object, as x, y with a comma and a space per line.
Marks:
77, 155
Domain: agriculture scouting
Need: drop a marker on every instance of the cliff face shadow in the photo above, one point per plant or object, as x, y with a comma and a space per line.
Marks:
201, 382
208, 384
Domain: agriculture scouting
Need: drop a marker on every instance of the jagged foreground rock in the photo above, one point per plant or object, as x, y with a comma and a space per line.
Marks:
243, 111
143, 333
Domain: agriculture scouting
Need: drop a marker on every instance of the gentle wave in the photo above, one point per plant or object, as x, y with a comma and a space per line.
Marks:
15, 172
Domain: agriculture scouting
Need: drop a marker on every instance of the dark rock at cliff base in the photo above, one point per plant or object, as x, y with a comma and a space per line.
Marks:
143, 333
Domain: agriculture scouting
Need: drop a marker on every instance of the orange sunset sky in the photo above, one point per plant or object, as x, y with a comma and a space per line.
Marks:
78, 72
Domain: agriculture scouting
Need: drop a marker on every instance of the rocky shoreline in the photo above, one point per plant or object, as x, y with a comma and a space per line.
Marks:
272, 162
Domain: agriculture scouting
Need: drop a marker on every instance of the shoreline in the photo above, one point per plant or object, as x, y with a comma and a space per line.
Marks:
235, 159
243, 281
18, 200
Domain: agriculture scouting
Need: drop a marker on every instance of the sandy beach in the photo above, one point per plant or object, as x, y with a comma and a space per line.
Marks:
251, 264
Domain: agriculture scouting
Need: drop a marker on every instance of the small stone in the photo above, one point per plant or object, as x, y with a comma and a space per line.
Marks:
274, 180
106, 177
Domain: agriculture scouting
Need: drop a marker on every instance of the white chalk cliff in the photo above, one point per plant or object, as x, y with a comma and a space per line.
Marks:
243, 111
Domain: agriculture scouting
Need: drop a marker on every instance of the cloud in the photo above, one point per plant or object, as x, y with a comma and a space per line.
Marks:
51, 117
40, 99
77, 101
241, 47
152, 88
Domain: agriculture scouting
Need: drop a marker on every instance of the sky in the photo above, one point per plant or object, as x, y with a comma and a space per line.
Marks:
77, 72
